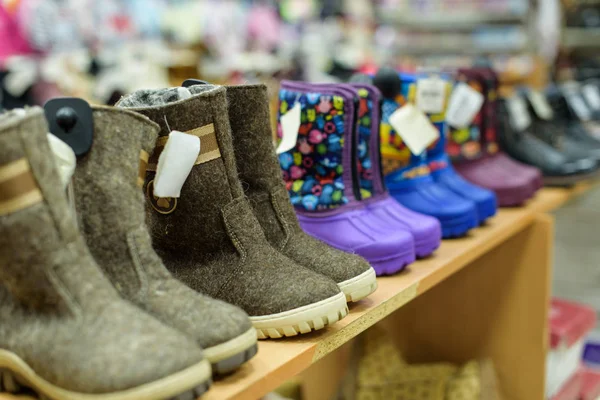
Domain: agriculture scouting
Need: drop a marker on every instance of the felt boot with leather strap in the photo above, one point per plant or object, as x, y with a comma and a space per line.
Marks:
209, 237
260, 174
64, 330
110, 208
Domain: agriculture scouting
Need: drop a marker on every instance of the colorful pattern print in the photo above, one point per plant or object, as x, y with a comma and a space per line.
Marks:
436, 152
491, 126
313, 170
365, 164
465, 143
397, 160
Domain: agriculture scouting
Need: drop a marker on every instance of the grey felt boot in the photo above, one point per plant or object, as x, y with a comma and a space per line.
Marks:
209, 237
64, 330
260, 174
110, 208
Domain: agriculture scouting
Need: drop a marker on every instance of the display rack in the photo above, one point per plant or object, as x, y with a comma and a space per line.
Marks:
581, 38
440, 24
484, 295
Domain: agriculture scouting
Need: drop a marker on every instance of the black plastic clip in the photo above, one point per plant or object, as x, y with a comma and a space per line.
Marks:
71, 120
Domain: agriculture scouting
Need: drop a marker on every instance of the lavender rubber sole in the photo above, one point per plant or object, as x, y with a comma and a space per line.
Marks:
393, 265
426, 247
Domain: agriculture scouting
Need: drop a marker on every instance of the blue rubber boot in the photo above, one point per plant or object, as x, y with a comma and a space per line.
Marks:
409, 178
444, 174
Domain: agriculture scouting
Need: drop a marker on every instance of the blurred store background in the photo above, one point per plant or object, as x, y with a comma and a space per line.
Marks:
99, 49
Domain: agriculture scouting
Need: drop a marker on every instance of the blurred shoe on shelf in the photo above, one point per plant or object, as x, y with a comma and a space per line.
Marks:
408, 176
476, 153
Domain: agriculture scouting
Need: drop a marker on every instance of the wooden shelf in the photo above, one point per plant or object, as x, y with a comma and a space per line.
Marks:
278, 360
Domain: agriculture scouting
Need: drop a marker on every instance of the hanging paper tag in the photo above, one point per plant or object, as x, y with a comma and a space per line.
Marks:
464, 104
519, 115
592, 96
578, 105
414, 127
540, 105
431, 94
290, 123
175, 163
64, 158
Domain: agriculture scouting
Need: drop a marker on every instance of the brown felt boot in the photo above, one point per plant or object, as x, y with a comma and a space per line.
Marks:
261, 179
209, 237
64, 330
110, 208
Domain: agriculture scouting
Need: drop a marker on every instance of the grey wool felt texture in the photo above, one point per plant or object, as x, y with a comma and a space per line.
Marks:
212, 241
110, 208
261, 178
58, 312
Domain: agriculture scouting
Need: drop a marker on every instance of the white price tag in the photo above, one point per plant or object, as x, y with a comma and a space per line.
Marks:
431, 95
175, 163
578, 105
540, 105
290, 123
592, 95
414, 127
519, 115
464, 104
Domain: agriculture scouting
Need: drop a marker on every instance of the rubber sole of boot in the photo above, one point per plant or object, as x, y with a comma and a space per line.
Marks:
229, 356
394, 265
301, 320
426, 247
183, 385
360, 286
459, 226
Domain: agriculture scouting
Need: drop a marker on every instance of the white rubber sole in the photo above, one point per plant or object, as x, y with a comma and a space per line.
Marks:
360, 286
302, 319
192, 381
228, 356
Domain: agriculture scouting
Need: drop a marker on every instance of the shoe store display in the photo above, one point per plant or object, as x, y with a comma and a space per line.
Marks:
441, 168
475, 151
209, 237
559, 166
111, 213
64, 330
321, 174
260, 173
408, 177
229, 200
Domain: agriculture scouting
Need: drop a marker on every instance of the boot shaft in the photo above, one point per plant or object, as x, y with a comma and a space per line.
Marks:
369, 173
320, 170
193, 222
249, 117
44, 261
108, 195
399, 163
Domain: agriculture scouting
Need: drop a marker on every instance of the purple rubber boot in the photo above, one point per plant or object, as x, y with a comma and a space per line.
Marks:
321, 176
426, 230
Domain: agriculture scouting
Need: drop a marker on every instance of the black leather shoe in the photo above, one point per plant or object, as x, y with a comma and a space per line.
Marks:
574, 125
559, 166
